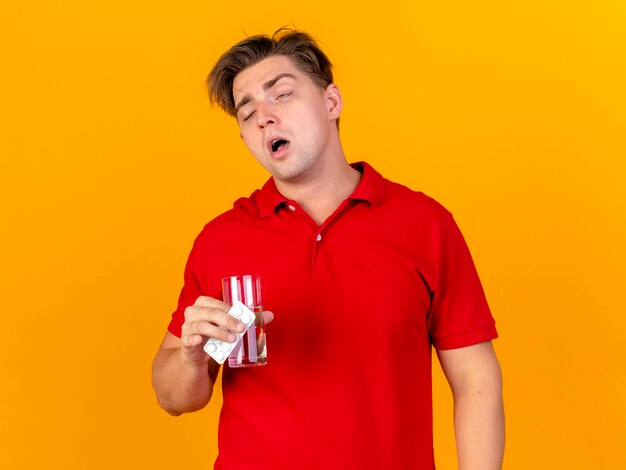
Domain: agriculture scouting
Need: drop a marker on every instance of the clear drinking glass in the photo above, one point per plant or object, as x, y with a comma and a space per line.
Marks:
251, 350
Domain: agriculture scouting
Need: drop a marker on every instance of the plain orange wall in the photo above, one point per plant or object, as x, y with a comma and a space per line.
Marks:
512, 114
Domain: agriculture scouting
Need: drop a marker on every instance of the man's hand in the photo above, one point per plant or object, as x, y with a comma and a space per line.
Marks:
183, 373
208, 318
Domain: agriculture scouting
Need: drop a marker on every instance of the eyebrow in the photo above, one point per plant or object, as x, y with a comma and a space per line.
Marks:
266, 86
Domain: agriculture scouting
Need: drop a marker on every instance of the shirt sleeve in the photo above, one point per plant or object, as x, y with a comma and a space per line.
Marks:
192, 287
459, 315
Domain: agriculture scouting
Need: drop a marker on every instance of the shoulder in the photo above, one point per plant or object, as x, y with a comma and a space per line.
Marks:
394, 199
244, 211
413, 204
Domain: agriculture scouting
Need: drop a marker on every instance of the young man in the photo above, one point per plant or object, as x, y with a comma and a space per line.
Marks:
364, 275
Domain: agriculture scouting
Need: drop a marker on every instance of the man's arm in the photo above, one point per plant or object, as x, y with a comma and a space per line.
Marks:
475, 378
181, 386
182, 373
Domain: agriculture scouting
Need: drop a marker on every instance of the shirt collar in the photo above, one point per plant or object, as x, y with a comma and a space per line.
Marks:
269, 198
369, 189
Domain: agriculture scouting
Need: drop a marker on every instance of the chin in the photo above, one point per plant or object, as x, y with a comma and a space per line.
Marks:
286, 176
288, 171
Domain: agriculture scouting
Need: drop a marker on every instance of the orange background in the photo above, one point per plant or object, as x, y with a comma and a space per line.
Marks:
512, 114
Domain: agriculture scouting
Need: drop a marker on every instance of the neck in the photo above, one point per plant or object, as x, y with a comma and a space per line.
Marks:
320, 195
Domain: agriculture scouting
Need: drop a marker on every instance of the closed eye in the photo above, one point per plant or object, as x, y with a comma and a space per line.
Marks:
248, 116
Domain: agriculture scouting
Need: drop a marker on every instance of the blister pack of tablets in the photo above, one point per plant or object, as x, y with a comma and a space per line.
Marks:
220, 350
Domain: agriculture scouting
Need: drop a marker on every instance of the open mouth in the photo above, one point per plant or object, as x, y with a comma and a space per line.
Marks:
278, 144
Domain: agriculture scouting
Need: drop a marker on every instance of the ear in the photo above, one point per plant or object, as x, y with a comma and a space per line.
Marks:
334, 101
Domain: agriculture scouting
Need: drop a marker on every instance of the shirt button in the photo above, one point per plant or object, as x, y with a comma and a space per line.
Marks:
291, 208
319, 237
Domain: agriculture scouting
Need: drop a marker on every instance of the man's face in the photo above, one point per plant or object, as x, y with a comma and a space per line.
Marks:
285, 119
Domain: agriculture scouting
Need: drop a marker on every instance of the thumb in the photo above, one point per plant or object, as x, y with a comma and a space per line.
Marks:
267, 316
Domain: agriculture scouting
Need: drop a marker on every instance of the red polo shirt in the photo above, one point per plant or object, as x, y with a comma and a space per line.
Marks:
358, 302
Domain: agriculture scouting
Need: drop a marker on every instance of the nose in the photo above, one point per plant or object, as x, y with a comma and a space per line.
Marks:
265, 116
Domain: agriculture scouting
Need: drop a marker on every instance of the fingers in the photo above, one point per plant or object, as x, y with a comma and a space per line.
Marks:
210, 302
208, 318
216, 312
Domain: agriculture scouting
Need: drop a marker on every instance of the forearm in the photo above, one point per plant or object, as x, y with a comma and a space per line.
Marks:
479, 424
181, 386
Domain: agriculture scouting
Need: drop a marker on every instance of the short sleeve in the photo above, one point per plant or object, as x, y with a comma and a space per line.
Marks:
192, 287
459, 315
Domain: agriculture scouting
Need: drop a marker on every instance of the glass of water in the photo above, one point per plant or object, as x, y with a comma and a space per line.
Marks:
251, 350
